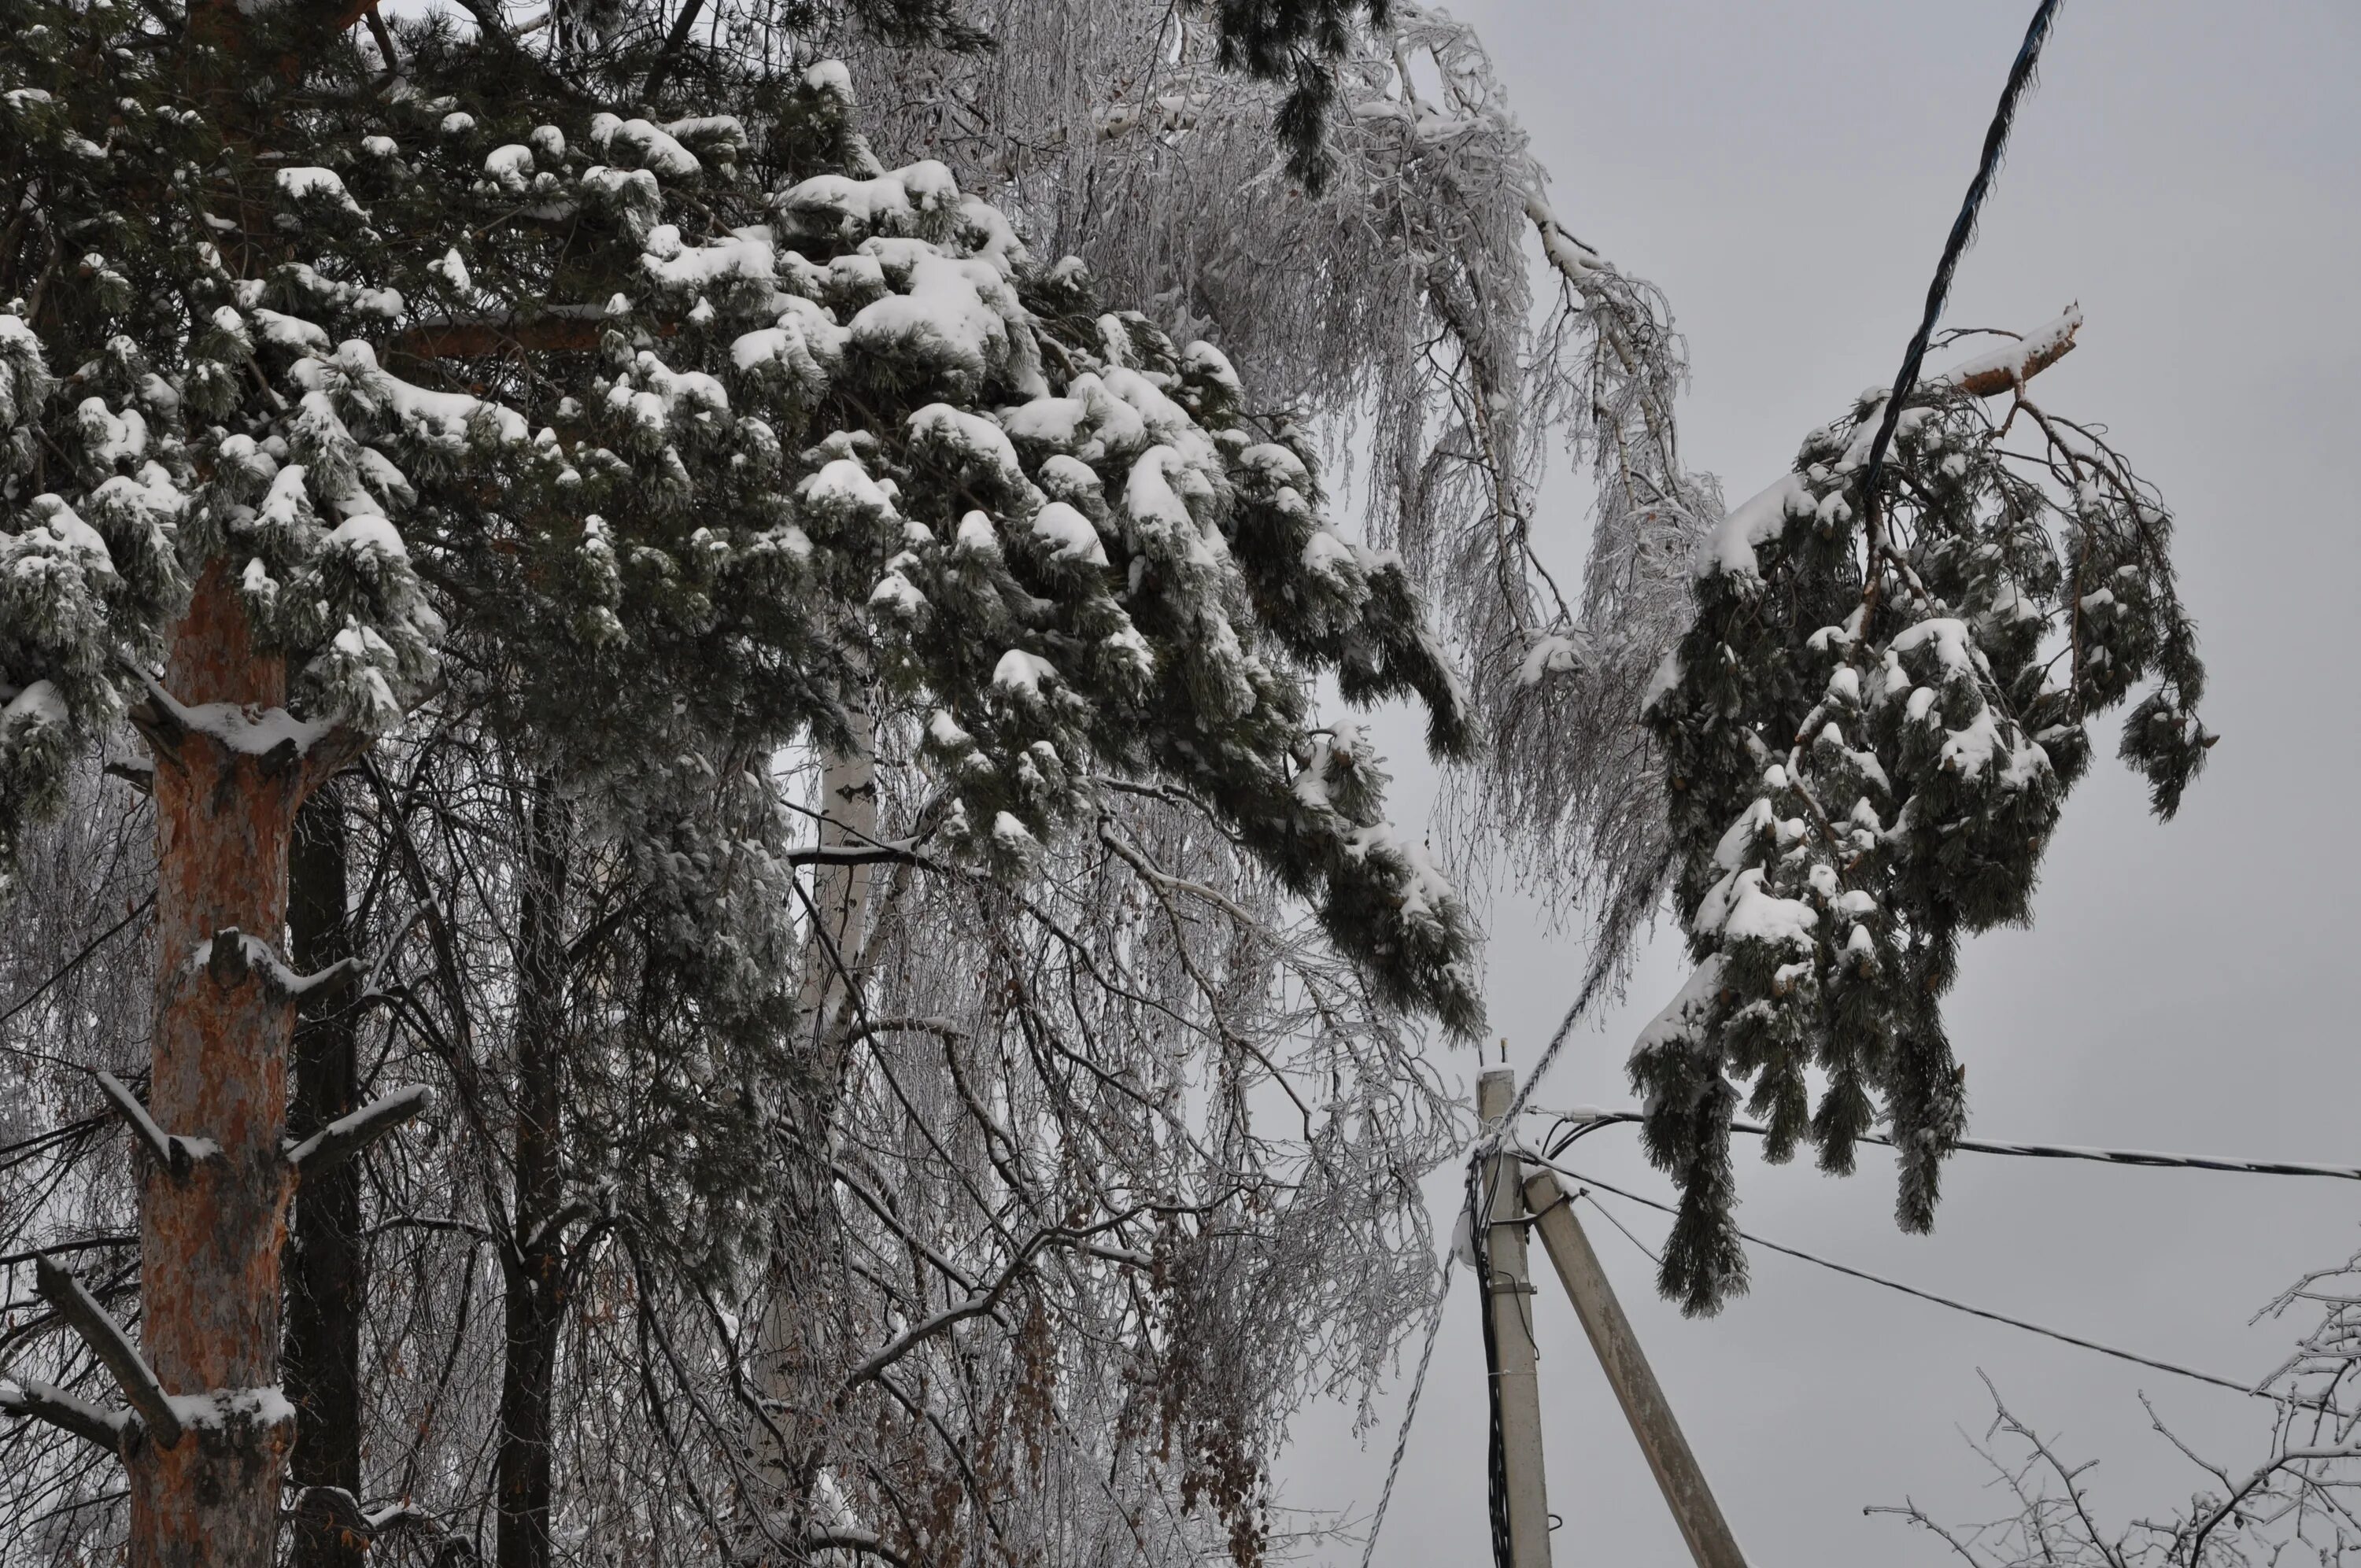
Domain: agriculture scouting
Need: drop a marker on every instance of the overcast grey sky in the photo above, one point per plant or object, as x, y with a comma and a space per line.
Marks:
2189, 172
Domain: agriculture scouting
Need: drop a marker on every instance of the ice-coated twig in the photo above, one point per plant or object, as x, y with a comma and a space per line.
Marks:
175, 1153
986, 1299
34, 1401
348, 1136
114, 1349
843, 1537
903, 853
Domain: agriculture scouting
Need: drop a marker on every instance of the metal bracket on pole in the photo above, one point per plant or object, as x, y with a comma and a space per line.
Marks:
1508, 1298
1636, 1389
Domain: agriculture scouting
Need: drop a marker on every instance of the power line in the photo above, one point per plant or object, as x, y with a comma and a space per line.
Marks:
1584, 1120
1963, 231
1409, 1412
1478, 1200
1957, 1305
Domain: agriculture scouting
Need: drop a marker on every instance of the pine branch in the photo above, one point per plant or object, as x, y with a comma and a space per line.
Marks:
176, 1154
485, 339
32, 1399
114, 1349
675, 41
231, 956
348, 1136
2009, 369
857, 855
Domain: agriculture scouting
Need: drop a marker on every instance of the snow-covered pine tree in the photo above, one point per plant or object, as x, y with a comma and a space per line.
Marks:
1135, 603
1432, 362
207, 553
1868, 733
1135, 582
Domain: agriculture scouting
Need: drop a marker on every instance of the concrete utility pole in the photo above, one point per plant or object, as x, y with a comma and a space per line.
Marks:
1675, 1468
1509, 1297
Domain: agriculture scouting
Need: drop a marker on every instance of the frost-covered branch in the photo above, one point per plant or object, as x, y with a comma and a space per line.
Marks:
2297, 1499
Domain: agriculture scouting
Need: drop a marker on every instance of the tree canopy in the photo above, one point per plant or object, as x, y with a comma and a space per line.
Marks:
760, 594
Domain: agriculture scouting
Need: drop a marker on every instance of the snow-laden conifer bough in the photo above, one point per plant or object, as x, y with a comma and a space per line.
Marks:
1868, 733
855, 439
1861, 778
563, 461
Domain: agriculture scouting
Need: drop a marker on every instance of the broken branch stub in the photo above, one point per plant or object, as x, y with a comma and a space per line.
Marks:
114, 1349
176, 1154
34, 1401
348, 1136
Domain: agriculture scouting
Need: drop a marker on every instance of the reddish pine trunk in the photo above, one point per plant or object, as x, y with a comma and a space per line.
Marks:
210, 1240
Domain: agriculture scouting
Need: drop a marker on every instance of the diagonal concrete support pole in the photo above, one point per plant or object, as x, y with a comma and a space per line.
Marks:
1628, 1373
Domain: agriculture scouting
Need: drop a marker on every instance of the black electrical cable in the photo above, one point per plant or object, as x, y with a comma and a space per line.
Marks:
1963, 233
1496, 1465
1579, 1124
1957, 1305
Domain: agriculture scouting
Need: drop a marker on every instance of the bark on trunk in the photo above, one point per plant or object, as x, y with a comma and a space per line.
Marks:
325, 1290
826, 1012
847, 791
210, 1240
212, 1235
536, 1259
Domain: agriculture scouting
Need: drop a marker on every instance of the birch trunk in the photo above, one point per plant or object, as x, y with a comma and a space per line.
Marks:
847, 788
826, 1011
